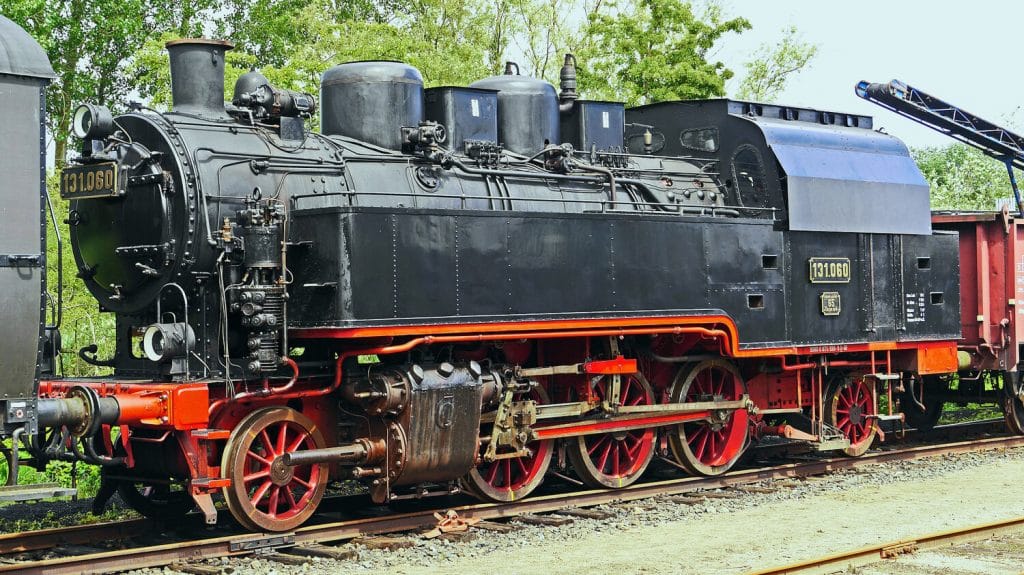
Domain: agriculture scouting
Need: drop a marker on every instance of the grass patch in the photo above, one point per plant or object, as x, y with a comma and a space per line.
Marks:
66, 474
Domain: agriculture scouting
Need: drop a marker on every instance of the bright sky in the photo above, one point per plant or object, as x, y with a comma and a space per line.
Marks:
966, 53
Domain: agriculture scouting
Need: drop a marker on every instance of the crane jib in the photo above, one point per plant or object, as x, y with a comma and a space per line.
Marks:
993, 140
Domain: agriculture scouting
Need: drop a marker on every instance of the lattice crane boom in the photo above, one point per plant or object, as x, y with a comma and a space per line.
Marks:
955, 122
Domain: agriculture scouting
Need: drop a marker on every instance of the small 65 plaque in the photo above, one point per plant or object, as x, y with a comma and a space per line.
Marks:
830, 304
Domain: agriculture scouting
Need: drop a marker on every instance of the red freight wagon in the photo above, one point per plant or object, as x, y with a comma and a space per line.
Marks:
991, 266
991, 293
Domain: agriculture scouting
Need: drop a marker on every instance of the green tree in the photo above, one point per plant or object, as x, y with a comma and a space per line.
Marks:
87, 42
82, 325
772, 66
543, 33
963, 178
643, 51
446, 40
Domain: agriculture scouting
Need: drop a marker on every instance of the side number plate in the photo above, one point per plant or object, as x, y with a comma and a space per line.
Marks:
829, 270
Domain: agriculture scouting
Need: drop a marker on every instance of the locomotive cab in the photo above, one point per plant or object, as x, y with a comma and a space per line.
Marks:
816, 170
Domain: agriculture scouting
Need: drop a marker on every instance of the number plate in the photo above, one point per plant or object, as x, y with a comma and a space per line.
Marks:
830, 303
829, 270
89, 181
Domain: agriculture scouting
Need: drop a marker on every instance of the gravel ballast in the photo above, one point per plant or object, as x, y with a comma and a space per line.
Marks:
716, 535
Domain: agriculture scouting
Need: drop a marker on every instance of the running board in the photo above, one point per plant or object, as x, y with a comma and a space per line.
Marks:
34, 492
831, 444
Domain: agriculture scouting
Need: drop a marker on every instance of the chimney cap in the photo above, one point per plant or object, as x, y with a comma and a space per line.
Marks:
209, 41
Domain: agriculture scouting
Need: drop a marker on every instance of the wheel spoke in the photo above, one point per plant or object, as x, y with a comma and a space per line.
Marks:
492, 472
603, 459
297, 443
698, 433
705, 444
632, 441
258, 475
275, 499
707, 451
523, 471
282, 438
261, 491
702, 384
292, 503
267, 444
598, 443
258, 457
507, 466
632, 451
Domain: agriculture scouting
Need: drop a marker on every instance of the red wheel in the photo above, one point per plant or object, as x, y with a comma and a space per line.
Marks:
615, 459
849, 407
710, 447
265, 494
514, 478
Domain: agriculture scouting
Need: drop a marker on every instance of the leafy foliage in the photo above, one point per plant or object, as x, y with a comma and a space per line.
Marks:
89, 43
82, 325
637, 51
771, 67
646, 51
963, 178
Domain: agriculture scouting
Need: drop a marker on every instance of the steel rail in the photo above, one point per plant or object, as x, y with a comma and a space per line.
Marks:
236, 545
875, 553
74, 535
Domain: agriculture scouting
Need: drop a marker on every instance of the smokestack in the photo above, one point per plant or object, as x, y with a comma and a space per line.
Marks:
197, 76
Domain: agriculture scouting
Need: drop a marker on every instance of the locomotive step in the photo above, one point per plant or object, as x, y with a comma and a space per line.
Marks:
832, 444
894, 417
34, 492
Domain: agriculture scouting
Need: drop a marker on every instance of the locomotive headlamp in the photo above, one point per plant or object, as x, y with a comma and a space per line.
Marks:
92, 121
166, 341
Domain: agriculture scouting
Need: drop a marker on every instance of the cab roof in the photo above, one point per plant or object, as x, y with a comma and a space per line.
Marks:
20, 54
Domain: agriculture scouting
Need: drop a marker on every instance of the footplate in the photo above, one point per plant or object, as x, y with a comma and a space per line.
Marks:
832, 444
831, 438
34, 492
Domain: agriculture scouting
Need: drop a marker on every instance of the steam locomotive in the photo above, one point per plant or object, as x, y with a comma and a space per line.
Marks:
458, 288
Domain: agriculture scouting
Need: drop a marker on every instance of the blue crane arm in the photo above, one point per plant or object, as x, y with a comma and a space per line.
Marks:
957, 123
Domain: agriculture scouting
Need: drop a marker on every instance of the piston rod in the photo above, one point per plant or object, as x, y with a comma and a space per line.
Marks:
360, 451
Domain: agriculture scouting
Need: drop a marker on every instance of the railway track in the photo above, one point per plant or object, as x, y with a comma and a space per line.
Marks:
209, 545
845, 560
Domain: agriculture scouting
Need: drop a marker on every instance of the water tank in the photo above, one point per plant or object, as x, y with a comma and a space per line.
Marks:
527, 110
468, 114
371, 101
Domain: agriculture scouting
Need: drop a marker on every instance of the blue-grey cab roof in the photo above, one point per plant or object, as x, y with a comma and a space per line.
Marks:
20, 54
